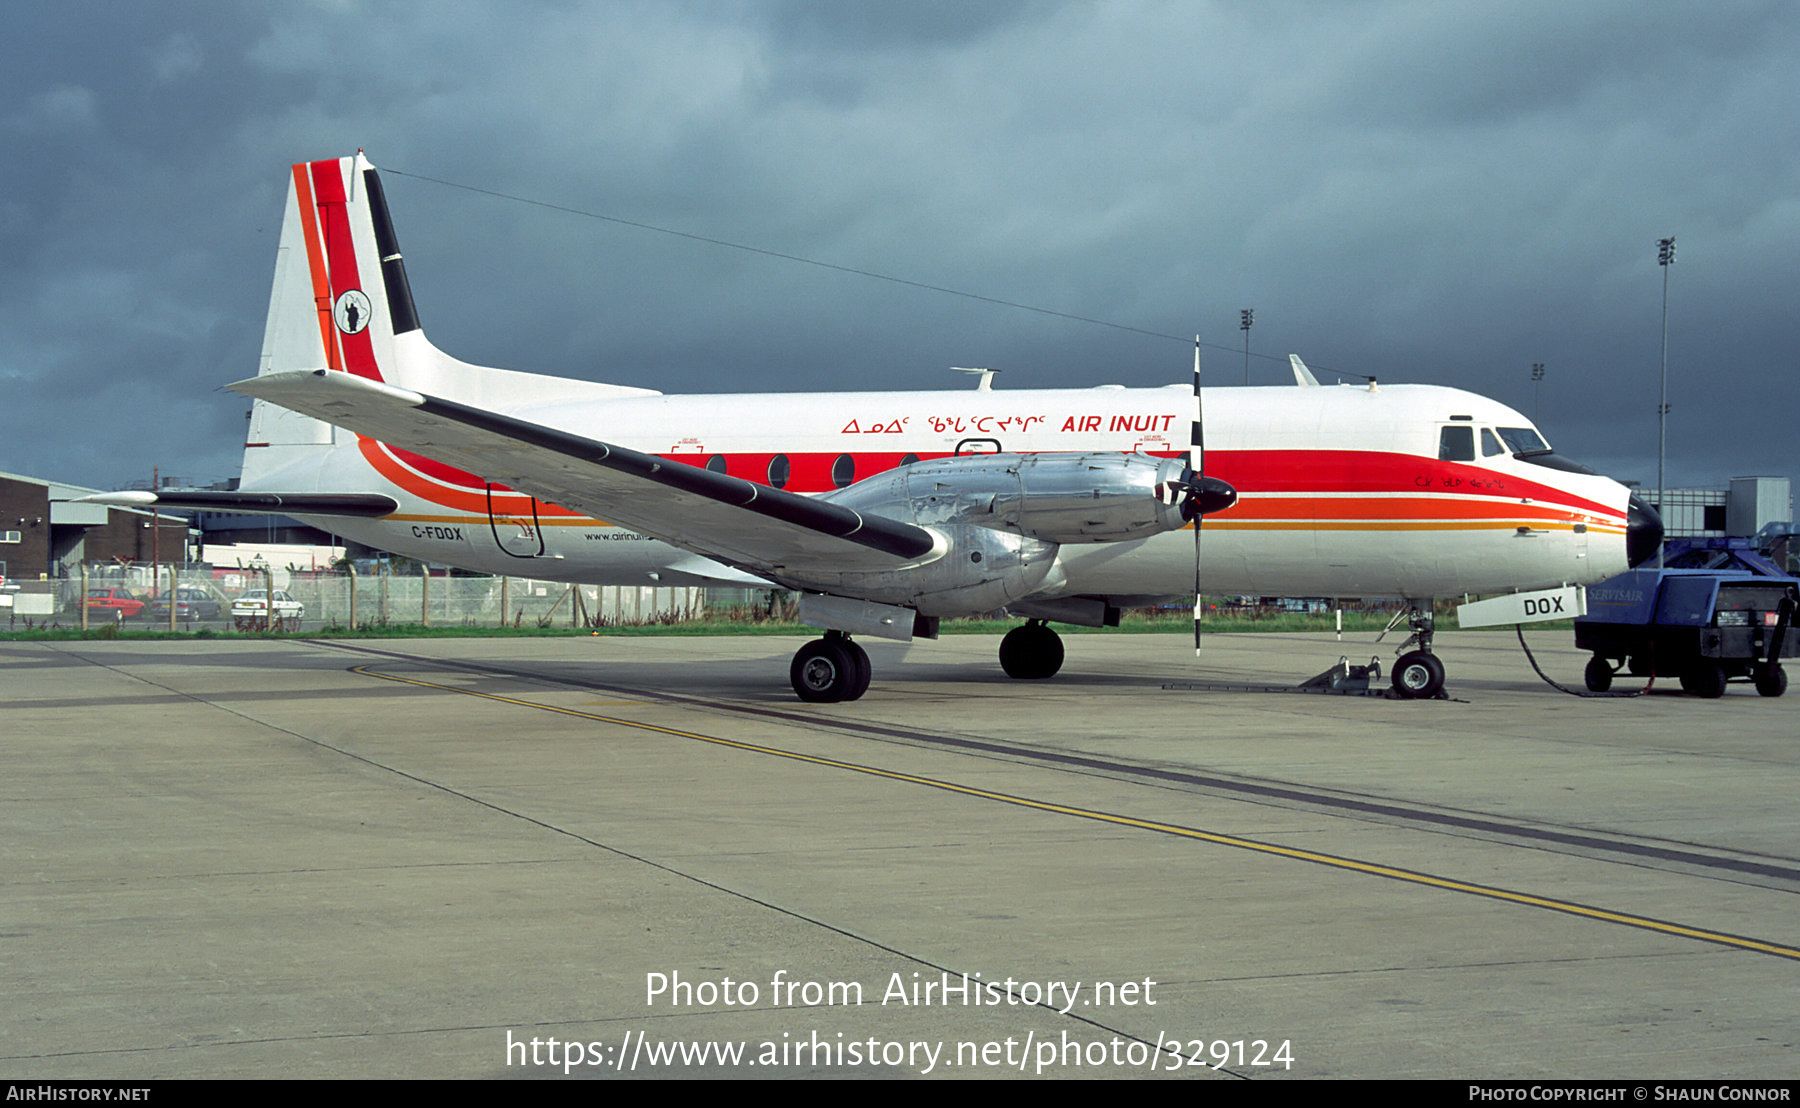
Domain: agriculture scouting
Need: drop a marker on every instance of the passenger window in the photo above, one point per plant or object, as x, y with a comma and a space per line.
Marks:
843, 471
716, 463
778, 471
1490, 443
1456, 444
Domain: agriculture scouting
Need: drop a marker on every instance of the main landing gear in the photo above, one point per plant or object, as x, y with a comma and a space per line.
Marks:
1031, 652
1418, 674
830, 669
833, 668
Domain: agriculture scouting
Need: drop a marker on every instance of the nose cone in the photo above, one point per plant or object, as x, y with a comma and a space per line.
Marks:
1643, 532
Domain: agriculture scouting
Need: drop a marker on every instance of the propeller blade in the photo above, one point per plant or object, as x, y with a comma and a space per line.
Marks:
1195, 499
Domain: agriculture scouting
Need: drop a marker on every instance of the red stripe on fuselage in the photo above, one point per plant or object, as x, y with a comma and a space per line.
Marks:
1378, 472
1334, 485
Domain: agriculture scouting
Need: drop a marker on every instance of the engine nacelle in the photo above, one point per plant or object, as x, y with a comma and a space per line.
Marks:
973, 569
999, 520
1059, 498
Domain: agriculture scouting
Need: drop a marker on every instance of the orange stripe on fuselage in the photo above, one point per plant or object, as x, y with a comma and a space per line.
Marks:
1384, 525
1396, 507
390, 464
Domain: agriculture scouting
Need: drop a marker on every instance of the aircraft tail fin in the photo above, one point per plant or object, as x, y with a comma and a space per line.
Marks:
341, 302
341, 296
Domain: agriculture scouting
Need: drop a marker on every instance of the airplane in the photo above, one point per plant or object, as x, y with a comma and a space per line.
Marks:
890, 511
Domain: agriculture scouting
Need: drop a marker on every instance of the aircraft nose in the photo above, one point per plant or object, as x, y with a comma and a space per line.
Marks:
1643, 531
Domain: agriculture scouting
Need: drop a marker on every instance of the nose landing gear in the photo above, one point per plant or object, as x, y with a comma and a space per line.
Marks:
1418, 674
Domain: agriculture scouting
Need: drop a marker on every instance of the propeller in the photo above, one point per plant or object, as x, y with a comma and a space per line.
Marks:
1196, 486
1203, 494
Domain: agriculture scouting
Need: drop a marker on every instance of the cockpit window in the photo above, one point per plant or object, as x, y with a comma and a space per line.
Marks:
1457, 444
1490, 445
1523, 440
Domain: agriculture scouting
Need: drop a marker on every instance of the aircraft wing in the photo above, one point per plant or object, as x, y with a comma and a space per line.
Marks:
747, 525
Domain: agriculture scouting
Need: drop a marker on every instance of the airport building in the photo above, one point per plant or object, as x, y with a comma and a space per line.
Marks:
1749, 505
44, 533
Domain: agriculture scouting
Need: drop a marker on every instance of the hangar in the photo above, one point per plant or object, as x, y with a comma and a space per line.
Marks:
43, 534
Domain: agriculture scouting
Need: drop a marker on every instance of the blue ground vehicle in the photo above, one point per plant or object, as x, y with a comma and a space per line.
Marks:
1716, 612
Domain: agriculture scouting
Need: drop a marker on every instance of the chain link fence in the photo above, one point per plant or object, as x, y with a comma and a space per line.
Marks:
147, 597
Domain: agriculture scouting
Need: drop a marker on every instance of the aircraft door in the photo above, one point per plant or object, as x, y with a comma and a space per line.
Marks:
518, 535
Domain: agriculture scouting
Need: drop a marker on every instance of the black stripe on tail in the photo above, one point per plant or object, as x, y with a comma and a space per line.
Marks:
393, 269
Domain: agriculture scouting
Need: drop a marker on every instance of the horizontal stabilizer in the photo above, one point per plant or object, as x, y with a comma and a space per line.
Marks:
364, 505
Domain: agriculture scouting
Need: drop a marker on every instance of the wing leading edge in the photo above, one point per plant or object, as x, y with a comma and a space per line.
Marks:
748, 525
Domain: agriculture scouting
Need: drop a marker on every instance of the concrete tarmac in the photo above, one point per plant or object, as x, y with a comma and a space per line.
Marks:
457, 857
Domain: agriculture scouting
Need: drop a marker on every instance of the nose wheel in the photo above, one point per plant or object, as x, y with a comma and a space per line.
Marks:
830, 669
1418, 674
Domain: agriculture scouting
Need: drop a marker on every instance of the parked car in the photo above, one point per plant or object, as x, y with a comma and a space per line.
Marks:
111, 600
250, 612
190, 603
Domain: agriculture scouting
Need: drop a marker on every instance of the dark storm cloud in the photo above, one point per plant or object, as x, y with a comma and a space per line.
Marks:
861, 25
1421, 191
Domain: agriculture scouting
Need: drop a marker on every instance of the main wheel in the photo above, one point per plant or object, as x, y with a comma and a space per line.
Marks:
1704, 679
864, 670
1419, 675
1599, 674
1771, 681
1031, 652
824, 671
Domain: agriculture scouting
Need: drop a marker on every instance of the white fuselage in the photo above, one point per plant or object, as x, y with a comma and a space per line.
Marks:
1341, 489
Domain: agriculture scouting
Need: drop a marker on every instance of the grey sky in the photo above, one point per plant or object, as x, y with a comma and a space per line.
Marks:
1433, 191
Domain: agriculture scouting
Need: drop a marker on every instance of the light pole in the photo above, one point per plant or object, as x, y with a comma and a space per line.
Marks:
1537, 378
1245, 318
1665, 257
